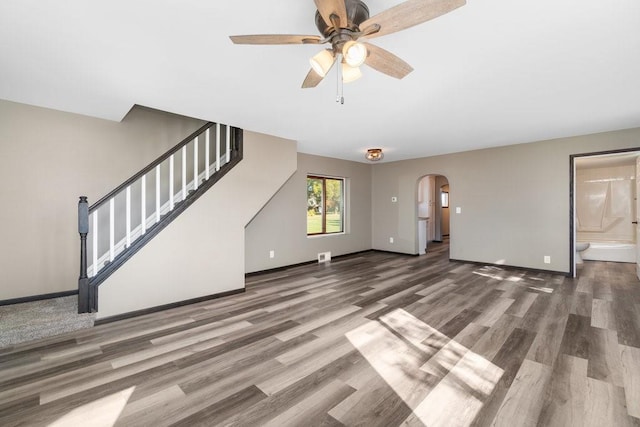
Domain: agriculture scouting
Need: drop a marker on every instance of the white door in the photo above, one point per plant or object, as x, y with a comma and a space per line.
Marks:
637, 194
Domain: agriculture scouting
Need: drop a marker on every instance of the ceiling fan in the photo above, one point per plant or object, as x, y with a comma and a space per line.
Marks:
343, 22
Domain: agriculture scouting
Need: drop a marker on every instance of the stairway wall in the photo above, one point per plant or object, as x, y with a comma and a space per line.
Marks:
47, 159
202, 252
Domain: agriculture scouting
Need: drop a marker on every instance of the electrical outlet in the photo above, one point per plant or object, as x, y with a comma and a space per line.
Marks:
272, 254
390, 239
547, 259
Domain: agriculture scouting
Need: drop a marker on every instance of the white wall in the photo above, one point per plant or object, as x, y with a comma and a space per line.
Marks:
514, 200
423, 197
605, 204
202, 252
48, 159
281, 225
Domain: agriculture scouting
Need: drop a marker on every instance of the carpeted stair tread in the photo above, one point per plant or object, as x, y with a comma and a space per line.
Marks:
40, 319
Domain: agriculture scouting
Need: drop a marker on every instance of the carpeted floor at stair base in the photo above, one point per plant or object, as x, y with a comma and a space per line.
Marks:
40, 319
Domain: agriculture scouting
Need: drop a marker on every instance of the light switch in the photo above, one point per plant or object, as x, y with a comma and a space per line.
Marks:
458, 210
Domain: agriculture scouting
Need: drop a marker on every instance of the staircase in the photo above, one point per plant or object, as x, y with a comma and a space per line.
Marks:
121, 223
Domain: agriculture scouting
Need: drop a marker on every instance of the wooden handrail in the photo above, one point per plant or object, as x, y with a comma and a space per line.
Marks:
88, 286
150, 167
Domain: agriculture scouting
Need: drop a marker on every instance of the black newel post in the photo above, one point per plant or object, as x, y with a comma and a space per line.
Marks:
84, 303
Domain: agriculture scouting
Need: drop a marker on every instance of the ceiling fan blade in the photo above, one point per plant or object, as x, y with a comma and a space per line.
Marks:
313, 79
386, 62
408, 14
275, 39
333, 7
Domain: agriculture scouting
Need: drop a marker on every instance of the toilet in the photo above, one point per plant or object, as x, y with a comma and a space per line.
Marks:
581, 247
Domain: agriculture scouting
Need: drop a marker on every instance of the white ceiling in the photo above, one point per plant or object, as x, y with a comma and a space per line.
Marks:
491, 73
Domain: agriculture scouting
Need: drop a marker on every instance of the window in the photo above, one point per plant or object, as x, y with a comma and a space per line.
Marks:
445, 199
325, 205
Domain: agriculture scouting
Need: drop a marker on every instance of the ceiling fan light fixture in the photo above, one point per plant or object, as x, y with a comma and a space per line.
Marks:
374, 154
322, 62
354, 53
350, 74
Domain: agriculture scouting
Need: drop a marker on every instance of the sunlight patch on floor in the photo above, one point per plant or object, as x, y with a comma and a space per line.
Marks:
541, 289
99, 413
498, 277
448, 390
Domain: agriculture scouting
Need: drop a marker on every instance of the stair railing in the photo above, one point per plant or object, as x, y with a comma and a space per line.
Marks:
119, 224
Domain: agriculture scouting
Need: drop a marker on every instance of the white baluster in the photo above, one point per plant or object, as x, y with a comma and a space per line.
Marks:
157, 194
184, 172
128, 208
95, 242
195, 164
207, 153
143, 204
171, 204
112, 228
217, 147
228, 152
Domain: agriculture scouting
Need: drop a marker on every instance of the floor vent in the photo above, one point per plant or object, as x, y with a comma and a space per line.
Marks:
324, 256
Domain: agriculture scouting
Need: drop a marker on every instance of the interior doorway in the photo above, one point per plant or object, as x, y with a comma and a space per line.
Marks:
432, 206
605, 207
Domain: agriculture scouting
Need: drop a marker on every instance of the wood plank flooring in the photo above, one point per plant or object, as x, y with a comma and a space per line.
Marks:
375, 339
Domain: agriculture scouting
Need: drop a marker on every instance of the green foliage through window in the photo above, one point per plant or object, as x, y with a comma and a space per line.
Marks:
325, 205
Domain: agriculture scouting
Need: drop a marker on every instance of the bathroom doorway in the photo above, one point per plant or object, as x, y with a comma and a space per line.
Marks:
432, 205
605, 206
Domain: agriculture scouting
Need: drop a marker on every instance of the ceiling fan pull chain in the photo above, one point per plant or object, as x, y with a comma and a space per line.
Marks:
338, 69
341, 86
339, 82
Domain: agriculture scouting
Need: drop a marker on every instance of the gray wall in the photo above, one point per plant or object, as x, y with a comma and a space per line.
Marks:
281, 225
47, 159
202, 252
514, 200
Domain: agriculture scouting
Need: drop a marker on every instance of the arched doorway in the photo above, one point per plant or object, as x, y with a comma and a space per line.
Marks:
432, 204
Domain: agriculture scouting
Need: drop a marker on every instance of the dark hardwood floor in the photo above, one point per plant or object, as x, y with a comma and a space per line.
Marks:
375, 339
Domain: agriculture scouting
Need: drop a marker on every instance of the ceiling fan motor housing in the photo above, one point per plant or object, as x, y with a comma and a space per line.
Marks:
357, 13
